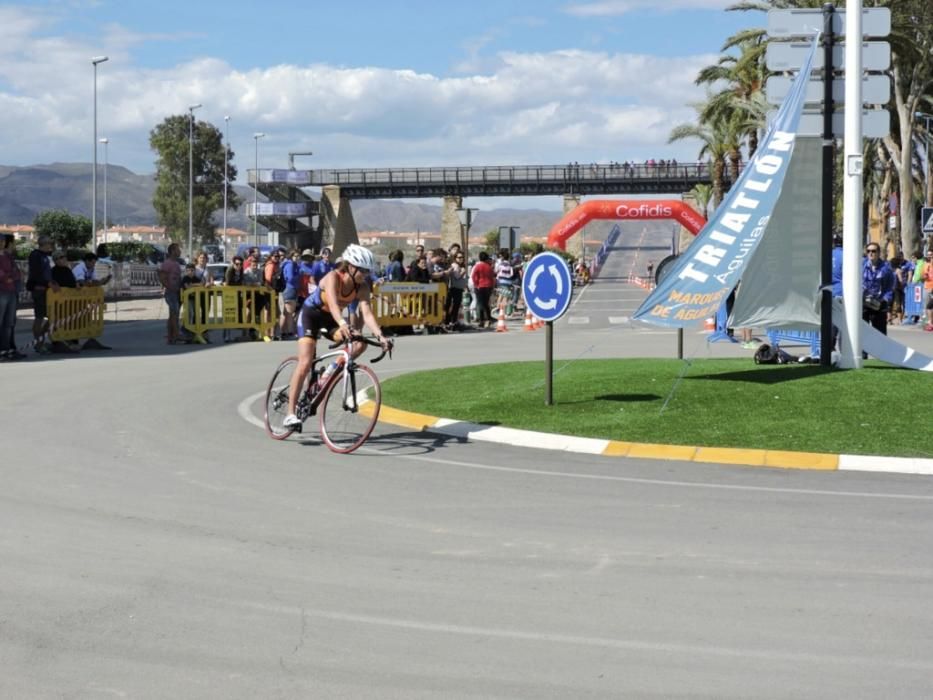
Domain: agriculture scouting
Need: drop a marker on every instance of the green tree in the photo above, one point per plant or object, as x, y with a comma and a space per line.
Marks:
169, 140
66, 229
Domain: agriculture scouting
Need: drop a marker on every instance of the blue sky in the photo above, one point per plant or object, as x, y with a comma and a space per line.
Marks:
362, 84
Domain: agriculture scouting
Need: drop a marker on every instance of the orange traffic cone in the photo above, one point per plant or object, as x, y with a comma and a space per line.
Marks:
709, 324
529, 321
500, 324
538, 323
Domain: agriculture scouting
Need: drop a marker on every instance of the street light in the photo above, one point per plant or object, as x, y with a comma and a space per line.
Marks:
223, 238
191, 109
94, 62
105, 141
258, 135
465, 215
927, 121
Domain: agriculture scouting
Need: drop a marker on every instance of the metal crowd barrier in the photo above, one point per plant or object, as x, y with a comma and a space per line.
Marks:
227, 308
127, 279
409, 303
76, 313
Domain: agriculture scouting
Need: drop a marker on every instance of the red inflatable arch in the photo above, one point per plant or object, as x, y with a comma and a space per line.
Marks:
625, 210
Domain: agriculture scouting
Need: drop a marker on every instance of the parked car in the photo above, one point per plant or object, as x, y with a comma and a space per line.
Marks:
217, 271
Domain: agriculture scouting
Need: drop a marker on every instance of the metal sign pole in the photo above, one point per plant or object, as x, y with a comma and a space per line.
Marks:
549, 364
826, 233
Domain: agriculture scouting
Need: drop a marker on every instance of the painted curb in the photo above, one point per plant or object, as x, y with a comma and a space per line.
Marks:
779, 459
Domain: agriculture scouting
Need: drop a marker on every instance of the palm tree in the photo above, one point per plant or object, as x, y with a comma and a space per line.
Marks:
715, 147
702, 194
741, 102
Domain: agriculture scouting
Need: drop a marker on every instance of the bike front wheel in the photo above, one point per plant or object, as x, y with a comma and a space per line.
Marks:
277, 399
348, 418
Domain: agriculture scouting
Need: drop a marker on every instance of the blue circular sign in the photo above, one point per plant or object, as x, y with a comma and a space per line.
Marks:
547, 286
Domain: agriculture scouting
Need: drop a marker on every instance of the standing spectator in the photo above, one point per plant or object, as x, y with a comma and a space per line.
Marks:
419, 253
170, 279
518, 265
289, 268
928, 287
10, 281
395, 270
503, 270
252, 259
38, 282
233, 277
322, 266
190, 279
484, 281
272, 279
85, 272
455, 289
438, 265
306, 283
418, 272
650, 271
64, 277
200, 269
877, 288
62, 274
252, 277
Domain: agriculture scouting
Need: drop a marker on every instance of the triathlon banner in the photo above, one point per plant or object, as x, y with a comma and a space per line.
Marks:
710, 268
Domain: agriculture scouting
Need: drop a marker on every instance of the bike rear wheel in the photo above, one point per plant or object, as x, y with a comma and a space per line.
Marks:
345, 428
277, 400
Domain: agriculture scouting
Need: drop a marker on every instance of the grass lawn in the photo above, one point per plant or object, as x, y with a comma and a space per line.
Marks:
878, 410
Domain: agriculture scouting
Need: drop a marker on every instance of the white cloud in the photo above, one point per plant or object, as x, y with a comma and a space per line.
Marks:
545, 107
607, 8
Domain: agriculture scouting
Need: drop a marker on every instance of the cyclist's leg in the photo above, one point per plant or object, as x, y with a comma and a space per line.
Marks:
306, 350
307, 345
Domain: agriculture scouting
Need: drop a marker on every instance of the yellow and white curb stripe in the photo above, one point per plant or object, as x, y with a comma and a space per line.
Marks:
782, 459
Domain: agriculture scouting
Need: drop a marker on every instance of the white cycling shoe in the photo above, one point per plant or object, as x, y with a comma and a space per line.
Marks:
292, 421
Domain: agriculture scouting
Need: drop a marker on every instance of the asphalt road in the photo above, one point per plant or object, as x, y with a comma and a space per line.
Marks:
155, 544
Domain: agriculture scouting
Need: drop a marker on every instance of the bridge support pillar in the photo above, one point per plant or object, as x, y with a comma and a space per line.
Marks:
338, 229
575, 243
451, 231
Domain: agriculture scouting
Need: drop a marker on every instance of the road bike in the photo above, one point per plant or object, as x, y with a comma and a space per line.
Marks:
347, 400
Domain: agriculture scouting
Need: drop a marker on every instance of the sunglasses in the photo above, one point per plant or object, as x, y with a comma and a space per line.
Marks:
872, 250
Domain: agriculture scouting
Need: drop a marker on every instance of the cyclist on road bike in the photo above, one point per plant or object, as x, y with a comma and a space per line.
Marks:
323, 311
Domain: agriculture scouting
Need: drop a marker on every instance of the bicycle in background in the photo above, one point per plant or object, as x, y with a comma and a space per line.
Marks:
347, 399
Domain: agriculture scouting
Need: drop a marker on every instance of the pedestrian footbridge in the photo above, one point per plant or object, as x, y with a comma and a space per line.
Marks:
291, 210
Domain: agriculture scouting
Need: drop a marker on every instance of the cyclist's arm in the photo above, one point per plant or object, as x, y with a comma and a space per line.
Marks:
366, 311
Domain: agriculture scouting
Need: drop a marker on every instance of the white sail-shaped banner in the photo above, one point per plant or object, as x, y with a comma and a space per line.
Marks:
711, 267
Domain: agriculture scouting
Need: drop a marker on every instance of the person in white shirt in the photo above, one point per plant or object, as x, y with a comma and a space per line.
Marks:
85, 272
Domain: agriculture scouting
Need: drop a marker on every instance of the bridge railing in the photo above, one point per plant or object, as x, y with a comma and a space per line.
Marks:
536, 173
569, 172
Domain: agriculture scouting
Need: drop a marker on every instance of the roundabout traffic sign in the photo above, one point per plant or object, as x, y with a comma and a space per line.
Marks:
547, 286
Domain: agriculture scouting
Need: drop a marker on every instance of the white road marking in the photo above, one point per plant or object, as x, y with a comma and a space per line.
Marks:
786, 655
578, 320
619, 319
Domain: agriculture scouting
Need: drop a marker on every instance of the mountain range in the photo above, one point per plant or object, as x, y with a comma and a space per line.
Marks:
26, 191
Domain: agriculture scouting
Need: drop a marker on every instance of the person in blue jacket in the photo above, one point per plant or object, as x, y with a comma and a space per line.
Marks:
877, 288
289, 269
322, 266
